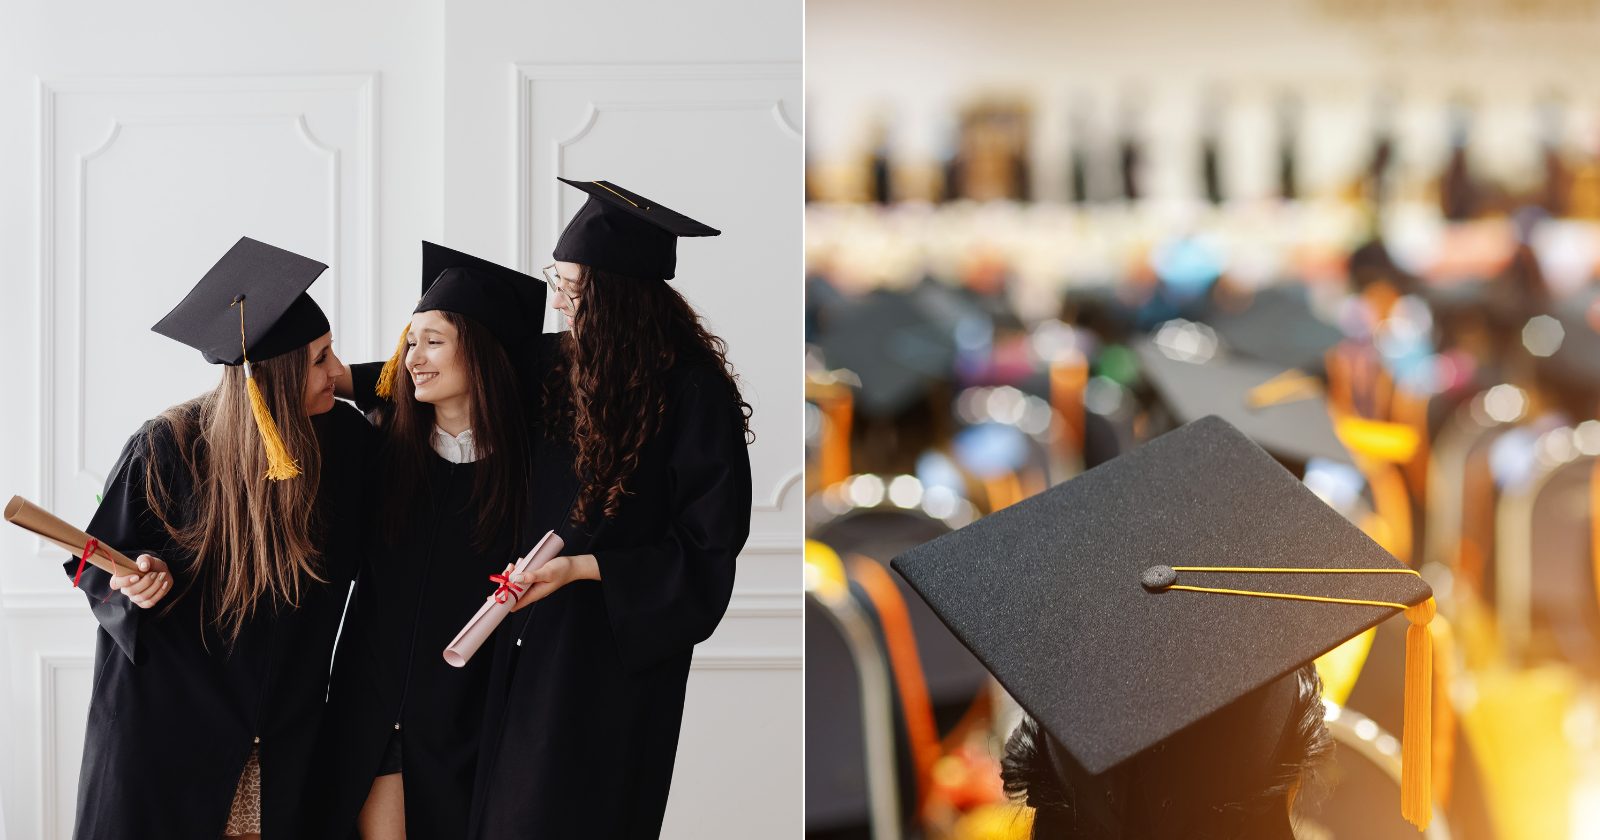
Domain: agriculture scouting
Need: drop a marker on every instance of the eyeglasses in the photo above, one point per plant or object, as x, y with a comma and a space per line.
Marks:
555, 281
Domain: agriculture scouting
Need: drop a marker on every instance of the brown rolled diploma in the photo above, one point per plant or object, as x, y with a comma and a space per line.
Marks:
498, 605
29, 516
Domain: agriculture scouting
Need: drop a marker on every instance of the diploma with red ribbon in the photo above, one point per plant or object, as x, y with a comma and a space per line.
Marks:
498, 605
29, 516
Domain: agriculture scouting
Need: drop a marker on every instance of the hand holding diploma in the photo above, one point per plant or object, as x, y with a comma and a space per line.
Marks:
500, 602
148, 586
29, 516
538, 584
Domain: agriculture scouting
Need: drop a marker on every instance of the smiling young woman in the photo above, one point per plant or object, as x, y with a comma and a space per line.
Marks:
401, 744
637, 436
211, 666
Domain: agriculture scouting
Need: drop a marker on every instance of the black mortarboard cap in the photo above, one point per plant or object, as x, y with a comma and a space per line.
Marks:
625, 233
1070, 599
1283, 410
506, 301
896, 347
1278, 326
270, 284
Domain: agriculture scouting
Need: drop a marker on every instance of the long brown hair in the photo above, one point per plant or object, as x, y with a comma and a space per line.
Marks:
499, 436
253, 540
607, 390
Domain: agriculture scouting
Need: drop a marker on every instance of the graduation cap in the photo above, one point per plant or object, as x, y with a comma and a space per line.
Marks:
272, 282
624, 232
1150, 597
1282, 409
1279, 326
896, 347
504, 300
252, 305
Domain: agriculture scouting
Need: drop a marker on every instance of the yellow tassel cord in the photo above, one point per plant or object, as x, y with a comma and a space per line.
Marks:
279, 465
385, 387
1287, 387
1416, 738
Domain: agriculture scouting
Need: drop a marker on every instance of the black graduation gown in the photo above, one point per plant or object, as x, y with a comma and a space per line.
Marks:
586, 696
411, 599
174, 712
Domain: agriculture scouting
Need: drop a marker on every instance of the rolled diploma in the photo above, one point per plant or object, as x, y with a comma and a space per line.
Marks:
29, 516
489, 616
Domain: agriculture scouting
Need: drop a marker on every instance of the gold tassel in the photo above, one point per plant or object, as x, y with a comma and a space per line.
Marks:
386, 376
1416, 738
279, 465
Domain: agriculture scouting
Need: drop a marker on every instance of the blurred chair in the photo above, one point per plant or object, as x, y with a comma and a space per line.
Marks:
1362, 786
877, 518
1545, 566
1461, 515
850, 733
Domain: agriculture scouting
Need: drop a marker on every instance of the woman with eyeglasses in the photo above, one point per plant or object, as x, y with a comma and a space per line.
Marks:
638, 441
642, 432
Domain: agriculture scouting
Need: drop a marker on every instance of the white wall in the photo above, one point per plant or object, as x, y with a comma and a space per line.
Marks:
136, 142
916, 61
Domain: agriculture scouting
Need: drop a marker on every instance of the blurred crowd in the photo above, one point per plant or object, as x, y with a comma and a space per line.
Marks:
968, 347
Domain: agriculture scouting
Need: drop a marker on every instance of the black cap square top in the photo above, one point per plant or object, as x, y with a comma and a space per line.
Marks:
1072, 599
508, 302
620, 231
1282, 409
262, 284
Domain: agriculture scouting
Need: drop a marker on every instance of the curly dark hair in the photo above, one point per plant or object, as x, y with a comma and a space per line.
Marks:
606, 392
1154, 810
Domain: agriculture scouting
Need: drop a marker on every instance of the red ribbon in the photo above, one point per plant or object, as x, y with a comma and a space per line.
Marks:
507, 590
89, 548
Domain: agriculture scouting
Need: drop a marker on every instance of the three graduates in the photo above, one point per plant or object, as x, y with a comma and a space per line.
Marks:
254, 507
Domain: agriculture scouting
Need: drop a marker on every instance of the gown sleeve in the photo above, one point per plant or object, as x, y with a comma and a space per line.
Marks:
364, 382
665, 597
125, 522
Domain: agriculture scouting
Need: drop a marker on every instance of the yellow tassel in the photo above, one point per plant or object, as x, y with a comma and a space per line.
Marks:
386, 376
1416, 738
279, 465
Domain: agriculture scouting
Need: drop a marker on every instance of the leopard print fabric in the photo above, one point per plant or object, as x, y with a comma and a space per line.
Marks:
245, 816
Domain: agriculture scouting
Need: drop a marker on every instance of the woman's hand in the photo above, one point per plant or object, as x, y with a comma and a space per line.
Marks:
560, 571
147, 588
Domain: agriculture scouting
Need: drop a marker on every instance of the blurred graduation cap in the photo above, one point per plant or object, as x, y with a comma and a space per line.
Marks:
1279, 326
506, 301
252, 305
1173, 592
1282, 409
896, 347
624, 232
